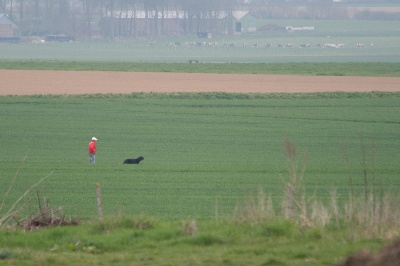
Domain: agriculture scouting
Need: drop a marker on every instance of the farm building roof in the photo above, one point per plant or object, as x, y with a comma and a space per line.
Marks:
4, 20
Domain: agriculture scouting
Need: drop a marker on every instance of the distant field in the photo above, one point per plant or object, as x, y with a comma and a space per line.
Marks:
203, 152
383, 8
372, 69
384, 49
378, 41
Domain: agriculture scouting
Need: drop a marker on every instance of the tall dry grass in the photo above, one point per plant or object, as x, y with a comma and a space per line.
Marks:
371, 213
10, 216
255, 209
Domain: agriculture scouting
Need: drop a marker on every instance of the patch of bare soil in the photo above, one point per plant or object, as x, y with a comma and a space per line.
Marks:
31, 82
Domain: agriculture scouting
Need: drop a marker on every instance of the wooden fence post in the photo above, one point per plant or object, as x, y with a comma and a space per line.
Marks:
99, 207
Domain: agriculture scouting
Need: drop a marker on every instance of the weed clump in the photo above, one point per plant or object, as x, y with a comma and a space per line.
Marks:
47, 217
370, 214
189, 228
5, 254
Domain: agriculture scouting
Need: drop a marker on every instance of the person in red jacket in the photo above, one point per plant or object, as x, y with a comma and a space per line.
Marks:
92, 150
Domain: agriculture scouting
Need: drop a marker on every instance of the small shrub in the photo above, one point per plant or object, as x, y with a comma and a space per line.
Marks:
122, 222
314, 233
189, 228
143, 222
272, 262
278, 229
5, 254
206, 240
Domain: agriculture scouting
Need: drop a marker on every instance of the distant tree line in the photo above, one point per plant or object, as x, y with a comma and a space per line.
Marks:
82, 17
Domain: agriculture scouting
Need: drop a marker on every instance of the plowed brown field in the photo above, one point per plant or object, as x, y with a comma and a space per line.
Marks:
28, 82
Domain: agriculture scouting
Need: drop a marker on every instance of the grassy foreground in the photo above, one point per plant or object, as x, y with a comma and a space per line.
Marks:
146, 241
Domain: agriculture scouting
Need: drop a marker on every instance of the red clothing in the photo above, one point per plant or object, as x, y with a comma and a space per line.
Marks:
92, 147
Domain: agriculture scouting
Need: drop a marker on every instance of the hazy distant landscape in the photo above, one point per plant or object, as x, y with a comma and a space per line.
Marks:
331, 41
218, 31
228, 178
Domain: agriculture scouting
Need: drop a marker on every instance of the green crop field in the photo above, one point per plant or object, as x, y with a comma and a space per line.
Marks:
204, 153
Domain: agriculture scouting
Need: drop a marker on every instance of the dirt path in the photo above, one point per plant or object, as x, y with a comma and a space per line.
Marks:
27, 82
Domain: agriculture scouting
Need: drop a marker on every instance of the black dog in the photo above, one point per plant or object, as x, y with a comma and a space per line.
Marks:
134, 161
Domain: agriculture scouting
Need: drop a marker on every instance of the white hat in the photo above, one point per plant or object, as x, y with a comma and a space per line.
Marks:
94, 138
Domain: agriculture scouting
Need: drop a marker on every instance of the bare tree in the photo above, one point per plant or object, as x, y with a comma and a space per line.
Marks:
21, 9
121, 14
61, 18
3, 7
133, 6
89, 7
190, 9
151, 8
37, 8
109, 11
